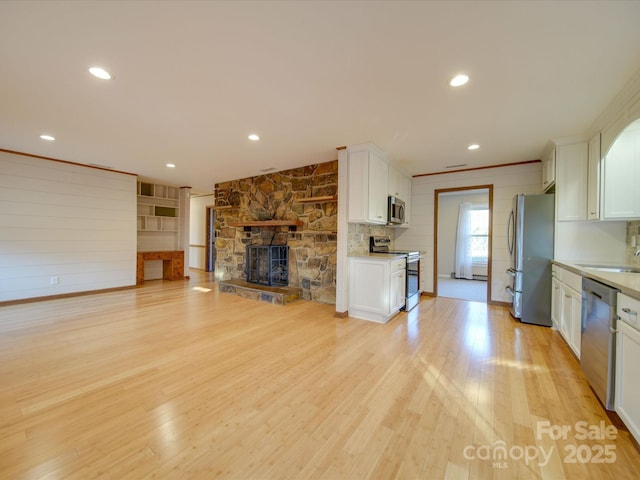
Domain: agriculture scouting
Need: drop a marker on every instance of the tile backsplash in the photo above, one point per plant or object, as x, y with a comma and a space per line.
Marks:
633, 242
359, 234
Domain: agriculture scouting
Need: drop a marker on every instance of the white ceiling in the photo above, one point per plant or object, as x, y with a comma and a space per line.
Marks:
193, 79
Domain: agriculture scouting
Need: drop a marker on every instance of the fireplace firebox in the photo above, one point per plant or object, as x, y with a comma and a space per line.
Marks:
268, 265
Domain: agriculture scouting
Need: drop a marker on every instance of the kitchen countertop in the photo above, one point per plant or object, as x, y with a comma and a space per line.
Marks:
627, 282
380, 256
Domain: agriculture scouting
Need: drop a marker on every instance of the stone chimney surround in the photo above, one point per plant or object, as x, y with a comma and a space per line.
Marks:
296, 207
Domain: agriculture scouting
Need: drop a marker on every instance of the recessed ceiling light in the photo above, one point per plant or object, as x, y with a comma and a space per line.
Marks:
171, 165
49, 138
100, 73
459, 80
253, 137
473, 146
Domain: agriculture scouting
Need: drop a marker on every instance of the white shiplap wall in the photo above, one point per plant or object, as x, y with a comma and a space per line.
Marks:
66, 221
507, 181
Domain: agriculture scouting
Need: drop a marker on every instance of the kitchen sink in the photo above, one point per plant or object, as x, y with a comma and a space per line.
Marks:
612, 268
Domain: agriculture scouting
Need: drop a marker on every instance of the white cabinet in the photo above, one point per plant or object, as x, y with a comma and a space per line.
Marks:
627, 394
368, 174
394, 185
399, 185
398, 286
574, 318
566, 306
549, 170
571, 181
621, 176
556, 302
593, 178
376, 287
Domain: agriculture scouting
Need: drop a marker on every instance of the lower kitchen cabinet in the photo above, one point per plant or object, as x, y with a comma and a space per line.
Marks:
627, 396
376, 287
574, 318
566, 306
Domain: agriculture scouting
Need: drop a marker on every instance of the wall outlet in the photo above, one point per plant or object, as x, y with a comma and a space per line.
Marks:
55, 280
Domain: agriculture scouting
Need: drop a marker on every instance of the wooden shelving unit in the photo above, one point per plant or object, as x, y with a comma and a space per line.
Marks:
157, 208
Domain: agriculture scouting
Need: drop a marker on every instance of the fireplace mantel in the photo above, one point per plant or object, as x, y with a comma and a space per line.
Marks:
267, 223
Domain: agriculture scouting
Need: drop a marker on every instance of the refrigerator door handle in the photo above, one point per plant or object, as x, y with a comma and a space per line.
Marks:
511, 228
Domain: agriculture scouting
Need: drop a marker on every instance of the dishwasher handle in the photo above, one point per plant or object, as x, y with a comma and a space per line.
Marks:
591, 292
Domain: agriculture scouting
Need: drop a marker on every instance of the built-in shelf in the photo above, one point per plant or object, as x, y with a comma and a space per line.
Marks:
268, 223
328, 198
158, 209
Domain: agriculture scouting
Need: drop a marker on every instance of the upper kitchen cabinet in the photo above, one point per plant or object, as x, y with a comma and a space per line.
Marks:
549, 170
571, 181
621, 176
368, 176
400, 186
593, 180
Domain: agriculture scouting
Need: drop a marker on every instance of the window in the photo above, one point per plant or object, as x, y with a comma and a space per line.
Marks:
479, 234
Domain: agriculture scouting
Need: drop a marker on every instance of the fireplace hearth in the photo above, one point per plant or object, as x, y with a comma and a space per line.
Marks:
268, 265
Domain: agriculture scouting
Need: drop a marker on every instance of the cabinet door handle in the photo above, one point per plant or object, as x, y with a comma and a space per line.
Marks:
630, 312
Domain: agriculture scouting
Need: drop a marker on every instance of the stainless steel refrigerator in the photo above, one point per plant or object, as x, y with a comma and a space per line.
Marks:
530, 242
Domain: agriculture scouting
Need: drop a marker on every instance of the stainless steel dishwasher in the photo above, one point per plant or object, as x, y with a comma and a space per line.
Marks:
598, 348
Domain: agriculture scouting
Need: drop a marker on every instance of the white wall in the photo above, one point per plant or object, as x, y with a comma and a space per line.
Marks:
66, 221
198, 230
593, 242
507, 182
449, 207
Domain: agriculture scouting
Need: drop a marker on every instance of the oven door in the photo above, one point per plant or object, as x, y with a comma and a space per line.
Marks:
413, 283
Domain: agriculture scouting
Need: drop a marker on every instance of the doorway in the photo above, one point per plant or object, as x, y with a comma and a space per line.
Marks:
463, 231
210, 245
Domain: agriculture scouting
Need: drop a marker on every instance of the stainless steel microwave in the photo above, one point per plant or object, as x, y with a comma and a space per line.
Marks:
395, 211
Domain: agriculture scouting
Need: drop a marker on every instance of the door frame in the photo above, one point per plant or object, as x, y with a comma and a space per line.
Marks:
437, 193
210, 230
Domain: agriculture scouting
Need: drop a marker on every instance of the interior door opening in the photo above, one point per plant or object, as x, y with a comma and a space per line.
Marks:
210, 250
463, 218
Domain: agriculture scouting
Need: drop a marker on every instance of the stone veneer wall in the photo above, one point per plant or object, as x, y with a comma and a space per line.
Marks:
274, 196
633, 230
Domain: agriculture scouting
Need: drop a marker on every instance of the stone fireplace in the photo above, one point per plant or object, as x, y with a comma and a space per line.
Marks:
295, 208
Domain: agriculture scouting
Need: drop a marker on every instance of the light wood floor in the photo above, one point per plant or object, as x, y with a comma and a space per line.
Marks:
174, 381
